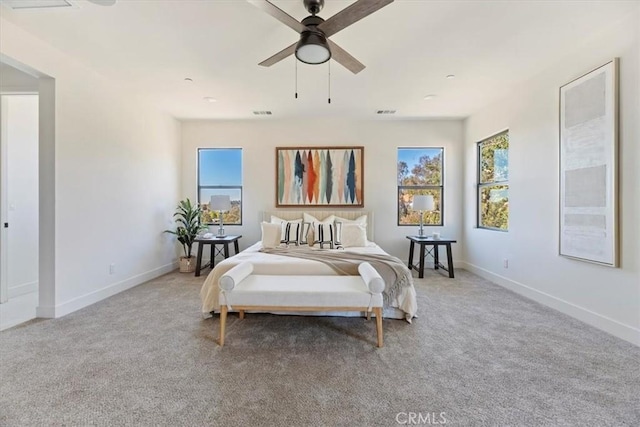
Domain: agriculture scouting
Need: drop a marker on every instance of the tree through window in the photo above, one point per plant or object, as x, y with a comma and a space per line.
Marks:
220, 173
420, 172
493, 182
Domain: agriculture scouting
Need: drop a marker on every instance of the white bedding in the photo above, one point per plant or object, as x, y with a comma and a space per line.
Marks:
270, 264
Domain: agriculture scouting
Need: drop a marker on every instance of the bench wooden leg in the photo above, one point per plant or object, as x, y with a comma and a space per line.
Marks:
223, 322
378, 311
241, 314
368, 315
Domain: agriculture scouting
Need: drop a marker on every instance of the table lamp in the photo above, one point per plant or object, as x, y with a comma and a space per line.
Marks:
422, 203
220, 204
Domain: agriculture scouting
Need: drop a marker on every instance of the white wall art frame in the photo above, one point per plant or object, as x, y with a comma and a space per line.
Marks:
588, 166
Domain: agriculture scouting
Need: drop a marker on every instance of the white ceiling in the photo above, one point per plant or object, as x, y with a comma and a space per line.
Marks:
408, 47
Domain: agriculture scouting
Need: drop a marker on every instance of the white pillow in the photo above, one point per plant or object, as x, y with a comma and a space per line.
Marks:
361, 220
283, 223
295, 232
352, 235
315, 228
270, 235
327, 233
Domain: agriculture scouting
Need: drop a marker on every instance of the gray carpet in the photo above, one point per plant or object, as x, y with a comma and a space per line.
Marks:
477, 355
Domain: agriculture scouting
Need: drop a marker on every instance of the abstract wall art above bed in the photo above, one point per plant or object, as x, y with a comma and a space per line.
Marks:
320, 176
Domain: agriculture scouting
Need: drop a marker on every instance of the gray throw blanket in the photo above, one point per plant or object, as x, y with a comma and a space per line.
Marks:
393, 271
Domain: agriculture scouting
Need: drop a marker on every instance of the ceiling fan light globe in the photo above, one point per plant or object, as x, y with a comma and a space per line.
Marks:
313, 54
313, 48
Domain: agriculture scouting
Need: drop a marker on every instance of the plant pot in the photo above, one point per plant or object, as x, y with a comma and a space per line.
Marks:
187, 264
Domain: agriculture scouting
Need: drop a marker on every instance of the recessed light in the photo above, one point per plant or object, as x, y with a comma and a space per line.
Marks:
210, 99
428, 97
451, 76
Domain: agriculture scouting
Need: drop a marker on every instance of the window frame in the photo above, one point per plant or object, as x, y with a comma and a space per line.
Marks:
480, 185
221, 187
421, 187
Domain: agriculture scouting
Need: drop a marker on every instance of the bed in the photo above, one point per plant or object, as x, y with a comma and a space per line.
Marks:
399, 304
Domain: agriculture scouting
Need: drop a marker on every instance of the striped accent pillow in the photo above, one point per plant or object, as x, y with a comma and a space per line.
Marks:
283, 223
295, 233
327, 233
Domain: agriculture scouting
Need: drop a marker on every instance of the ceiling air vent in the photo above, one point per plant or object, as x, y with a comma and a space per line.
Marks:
262, 113
36, 4
386, 112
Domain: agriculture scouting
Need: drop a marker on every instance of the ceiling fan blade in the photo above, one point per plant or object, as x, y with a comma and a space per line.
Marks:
103, 2
344, 58
279, 14
279, 56
351, 14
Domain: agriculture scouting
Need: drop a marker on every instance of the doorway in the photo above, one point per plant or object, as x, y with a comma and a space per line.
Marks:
19, 189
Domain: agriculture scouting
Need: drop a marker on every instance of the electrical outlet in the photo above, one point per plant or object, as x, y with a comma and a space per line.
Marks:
112, 268
505, 263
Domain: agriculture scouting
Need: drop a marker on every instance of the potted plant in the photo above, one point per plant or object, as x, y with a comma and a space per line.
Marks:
187, 217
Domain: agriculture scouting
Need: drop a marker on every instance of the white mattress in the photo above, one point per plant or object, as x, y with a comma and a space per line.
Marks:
404, 306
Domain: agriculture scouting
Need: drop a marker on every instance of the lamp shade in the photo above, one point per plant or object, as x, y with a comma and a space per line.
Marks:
423, 203
313, 48
220, 203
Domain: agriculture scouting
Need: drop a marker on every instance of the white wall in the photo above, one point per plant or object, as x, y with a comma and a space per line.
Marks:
13, 80
22, 192
258, 139
604, 297
117, 162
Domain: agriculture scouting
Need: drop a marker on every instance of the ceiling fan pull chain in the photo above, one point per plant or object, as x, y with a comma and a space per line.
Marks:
329, 62
296, 61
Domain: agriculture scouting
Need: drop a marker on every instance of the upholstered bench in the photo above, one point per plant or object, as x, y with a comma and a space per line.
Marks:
241, 290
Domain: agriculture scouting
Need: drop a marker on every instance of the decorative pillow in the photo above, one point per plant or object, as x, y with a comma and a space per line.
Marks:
352, 235
326, 233
270, 235
361, 220
313, 220
283, 223
295, 232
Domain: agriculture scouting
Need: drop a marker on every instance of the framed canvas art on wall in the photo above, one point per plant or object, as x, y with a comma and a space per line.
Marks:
588, 166
320, 176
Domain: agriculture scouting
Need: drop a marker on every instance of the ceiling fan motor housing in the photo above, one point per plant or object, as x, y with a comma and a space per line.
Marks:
314, 6
313, 47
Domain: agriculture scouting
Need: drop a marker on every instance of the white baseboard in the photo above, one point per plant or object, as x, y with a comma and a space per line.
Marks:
611, 326
46, 312
93, 297
23, 289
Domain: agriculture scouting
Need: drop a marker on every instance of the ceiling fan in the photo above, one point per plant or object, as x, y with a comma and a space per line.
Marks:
314, 46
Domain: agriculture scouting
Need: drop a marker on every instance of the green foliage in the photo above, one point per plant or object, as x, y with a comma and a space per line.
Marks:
420, 180
187, 217
494, 207
408, 216
403, 171
211, 217
428, 171
494, 168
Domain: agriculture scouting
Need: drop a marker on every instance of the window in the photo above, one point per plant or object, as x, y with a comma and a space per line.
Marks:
420, 172
493, 182
220, 173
